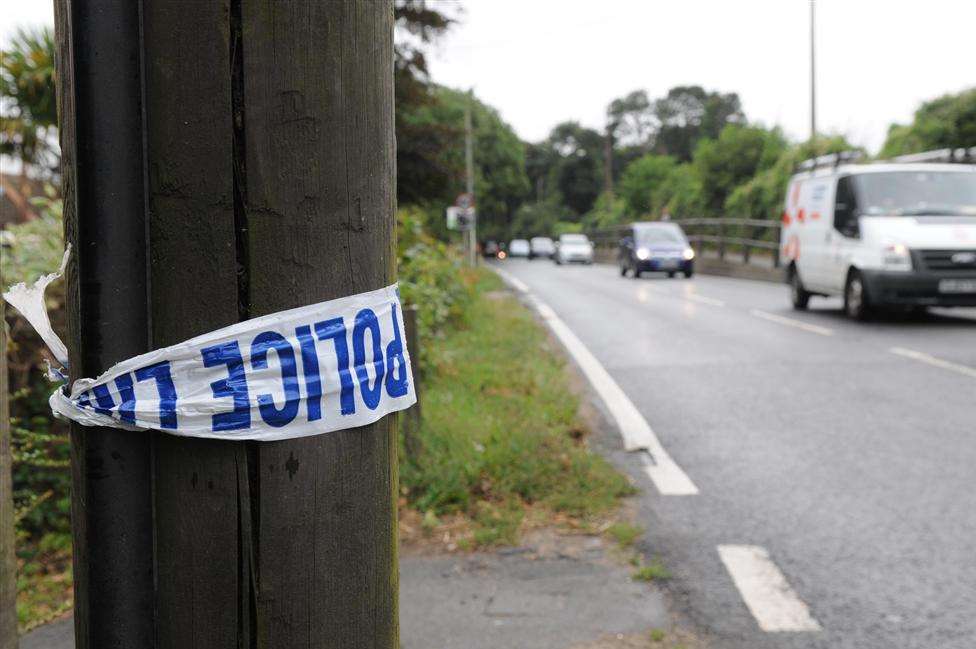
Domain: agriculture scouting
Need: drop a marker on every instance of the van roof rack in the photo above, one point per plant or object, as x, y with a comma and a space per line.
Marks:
940, 155
830, 160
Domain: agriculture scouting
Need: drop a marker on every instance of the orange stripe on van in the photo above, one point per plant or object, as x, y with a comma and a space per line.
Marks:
786, 218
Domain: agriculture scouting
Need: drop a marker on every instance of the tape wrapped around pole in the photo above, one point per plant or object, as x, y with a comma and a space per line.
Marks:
329, 366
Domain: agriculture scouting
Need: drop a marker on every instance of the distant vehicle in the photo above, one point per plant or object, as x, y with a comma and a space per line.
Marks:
490, 249
655, 246
895, 233
519, 248
573, 248
541, 247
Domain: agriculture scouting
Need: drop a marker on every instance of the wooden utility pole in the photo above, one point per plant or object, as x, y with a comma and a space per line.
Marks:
8, 557
265, 180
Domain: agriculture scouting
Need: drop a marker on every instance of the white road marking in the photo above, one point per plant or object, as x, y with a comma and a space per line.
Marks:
637, 434
922, 357
704, 299
514, 281
790, 322
765, 590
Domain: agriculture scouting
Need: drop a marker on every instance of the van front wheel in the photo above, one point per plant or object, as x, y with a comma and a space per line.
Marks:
857, 303
798, 294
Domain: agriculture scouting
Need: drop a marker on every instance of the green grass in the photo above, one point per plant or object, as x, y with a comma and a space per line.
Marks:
625, 534
500, 430
653, 571
658, 635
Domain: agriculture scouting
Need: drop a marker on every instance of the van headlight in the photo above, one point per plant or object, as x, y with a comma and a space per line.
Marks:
896, 256
643, 253
689, 254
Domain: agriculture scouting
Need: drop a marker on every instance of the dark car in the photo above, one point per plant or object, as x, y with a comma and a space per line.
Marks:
656, 246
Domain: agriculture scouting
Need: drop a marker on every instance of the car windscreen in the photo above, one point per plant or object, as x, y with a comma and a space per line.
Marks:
573, 238
916, 193
658, 235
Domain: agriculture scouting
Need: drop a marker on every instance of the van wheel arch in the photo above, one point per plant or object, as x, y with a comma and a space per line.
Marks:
857, 300
799, 295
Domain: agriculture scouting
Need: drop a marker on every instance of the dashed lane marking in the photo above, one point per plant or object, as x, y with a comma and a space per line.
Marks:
790, 322
765, 591
922, 357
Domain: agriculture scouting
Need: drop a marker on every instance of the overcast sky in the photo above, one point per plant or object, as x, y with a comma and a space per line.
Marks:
541, 62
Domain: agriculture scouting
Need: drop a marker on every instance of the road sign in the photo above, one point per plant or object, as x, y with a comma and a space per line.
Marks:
465, 201
459, 218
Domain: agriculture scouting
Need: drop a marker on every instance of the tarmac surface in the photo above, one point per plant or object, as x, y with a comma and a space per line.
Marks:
840, 453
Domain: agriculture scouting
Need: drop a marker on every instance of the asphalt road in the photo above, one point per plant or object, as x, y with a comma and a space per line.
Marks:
846, 450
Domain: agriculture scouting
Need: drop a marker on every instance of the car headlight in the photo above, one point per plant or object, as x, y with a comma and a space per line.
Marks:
689, 254
896, 256
643, 253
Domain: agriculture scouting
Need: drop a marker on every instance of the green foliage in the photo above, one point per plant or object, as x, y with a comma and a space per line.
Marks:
682, 193
539, 219
735, 157
30, 105
40, 444
688, 114
763, 196
573, 160
944, 122
630, 120
500, 429
430, 275
625, 534
653, 571
501, 183
608, 210
642, 183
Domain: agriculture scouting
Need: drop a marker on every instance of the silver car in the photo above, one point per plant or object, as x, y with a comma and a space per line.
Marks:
573, 248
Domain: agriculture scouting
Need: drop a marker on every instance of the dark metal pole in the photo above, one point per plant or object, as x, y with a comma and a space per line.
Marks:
100, 109
813, 73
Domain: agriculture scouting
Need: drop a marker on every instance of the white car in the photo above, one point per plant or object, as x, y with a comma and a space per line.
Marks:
518, 248
573, 248
895, 233
541, 247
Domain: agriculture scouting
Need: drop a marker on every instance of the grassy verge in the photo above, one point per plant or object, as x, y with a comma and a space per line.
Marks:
500, 436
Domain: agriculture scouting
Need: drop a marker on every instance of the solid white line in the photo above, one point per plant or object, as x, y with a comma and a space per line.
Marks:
667, 476
922, 357
514, 281
790, 322
765, 590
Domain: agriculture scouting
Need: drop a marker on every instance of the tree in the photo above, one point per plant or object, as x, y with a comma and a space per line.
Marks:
425, 167
642, 180
735, 157
631, 121
29, 108
689, 113
577, 169
946, 122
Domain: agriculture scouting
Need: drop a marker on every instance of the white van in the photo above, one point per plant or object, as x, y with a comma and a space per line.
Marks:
895, 233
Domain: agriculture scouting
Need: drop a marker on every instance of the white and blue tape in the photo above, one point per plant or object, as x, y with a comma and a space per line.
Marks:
306, 371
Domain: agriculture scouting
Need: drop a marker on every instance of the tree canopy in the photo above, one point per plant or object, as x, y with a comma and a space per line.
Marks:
944, 122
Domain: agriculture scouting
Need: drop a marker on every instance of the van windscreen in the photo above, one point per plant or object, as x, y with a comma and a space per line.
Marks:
916, 193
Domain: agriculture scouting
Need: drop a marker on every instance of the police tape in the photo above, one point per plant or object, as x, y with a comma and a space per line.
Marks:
329, 366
